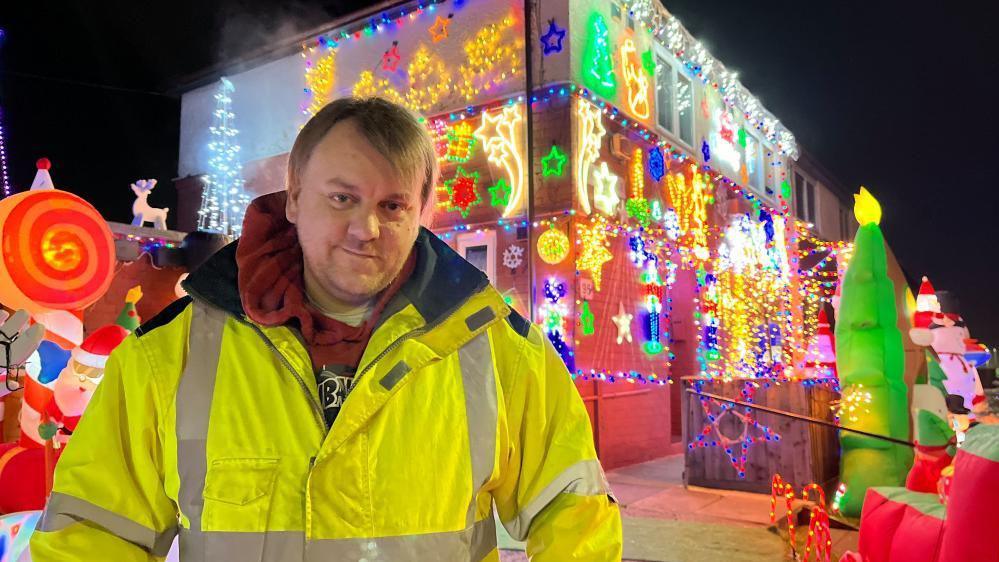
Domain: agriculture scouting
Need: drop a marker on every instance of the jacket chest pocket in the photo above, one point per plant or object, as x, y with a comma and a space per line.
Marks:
238, 494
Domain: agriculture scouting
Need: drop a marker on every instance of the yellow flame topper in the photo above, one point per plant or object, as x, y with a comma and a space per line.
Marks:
866, 208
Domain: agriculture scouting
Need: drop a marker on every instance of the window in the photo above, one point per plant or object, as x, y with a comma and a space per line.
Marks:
804, 198
631, 20
479, 248
754, 163
685, 108
615, 10
674, 101
664, 94
844, 224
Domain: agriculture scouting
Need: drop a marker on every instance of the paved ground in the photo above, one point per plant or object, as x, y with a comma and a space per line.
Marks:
665, 522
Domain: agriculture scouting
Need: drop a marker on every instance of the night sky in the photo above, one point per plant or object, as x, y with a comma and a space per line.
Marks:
894, 96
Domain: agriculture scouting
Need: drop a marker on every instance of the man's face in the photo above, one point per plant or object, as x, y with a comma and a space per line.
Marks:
356, 220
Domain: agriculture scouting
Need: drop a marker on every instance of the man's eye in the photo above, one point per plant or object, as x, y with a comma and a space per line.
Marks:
340, 198
394, 207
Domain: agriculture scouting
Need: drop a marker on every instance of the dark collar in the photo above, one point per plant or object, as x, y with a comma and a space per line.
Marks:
441, 281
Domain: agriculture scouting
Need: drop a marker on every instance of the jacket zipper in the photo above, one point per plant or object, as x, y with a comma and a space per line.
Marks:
314, 406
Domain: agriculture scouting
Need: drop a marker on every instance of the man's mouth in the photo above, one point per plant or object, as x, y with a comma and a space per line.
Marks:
358, 254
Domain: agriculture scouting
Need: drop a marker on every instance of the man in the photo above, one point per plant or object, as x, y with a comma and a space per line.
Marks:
227, 418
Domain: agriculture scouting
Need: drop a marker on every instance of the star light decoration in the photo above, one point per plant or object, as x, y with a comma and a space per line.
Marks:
752, 432
554, 163
594, 254
623, 323
551, 41
438, 31
502, 136
605, 196
499, 193
391, 58
461, 192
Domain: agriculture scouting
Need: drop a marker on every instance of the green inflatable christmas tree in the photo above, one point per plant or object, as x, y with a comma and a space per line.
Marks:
128, 318
870, 360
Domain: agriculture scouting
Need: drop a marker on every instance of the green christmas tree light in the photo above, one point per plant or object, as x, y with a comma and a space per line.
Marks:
598, 64
870, 356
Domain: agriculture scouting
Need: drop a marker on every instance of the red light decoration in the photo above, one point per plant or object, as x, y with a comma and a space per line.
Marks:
58, 253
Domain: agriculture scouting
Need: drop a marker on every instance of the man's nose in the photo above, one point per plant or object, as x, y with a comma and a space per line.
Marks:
364, 225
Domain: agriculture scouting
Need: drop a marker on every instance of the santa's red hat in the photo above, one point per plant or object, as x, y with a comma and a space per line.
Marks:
94, 350
927, 307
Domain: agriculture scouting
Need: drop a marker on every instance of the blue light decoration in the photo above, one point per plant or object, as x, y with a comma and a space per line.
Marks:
654, 288
551, 41
708, 352
224, 200
705, 150
4, 178
657, 164
553, 313
737, 449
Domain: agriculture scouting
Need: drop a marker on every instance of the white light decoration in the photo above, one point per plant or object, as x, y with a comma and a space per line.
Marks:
605, 196
669, 33
623, 323
513, 256
502, 136
589, 135
224, 201
636, 80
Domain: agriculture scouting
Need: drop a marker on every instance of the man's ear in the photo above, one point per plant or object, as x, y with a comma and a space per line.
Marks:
291, 205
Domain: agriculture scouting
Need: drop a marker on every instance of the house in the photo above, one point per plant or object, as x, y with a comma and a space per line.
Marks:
614, 180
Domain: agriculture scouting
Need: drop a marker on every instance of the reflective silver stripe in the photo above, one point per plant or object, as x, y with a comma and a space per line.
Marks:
479, 383
63, 510
194, 405
472, 544
585, 478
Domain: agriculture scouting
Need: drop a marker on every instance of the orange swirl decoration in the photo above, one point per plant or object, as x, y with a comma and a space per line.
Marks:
58, 253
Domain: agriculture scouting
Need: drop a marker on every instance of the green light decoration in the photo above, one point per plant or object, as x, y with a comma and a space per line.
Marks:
586, 319
785, 189
649, 63
598, 64
869, 354
500, 193
554, 163
742, 137
639, 210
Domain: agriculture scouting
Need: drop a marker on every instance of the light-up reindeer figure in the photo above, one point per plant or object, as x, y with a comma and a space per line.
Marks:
141, 211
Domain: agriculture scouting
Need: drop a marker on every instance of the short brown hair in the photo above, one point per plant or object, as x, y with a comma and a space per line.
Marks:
394, 131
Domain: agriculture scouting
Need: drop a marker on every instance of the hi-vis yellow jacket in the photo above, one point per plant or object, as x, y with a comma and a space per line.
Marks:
209, 425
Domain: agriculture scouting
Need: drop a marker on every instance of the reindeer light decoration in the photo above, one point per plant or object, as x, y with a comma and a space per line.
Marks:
141, 211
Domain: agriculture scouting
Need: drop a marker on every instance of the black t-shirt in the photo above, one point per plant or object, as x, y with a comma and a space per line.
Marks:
334, 384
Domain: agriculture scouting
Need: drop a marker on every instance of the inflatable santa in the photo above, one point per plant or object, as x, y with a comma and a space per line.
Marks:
76, 384
49, 413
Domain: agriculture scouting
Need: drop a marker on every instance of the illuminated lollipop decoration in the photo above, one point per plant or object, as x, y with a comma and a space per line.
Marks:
58, 253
